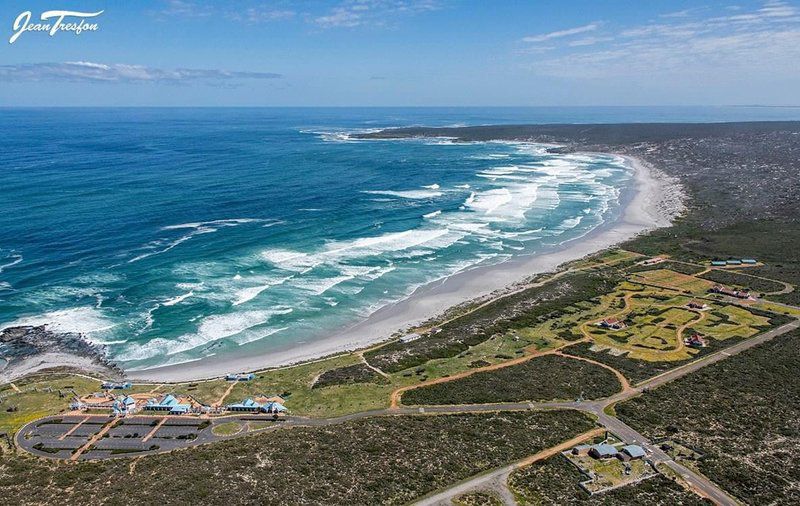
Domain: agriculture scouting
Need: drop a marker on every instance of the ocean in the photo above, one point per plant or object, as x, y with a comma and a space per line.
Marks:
172, 235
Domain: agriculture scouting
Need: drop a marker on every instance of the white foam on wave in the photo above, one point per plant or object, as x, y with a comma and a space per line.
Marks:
432, 215
81, 320
407, 194
247, 294
490, 201
178, 299
211, 329
434, 186
230, 222
14, 258
168, 245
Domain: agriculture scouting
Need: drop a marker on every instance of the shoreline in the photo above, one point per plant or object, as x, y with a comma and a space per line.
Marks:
653, 201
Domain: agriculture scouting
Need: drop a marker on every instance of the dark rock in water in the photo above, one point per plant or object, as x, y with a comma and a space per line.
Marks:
21, 343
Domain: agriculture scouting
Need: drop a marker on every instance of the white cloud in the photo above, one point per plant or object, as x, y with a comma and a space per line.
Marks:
562, 33
352, 13
746, 45
83, 71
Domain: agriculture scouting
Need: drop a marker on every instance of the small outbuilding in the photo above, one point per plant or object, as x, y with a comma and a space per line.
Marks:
240, 377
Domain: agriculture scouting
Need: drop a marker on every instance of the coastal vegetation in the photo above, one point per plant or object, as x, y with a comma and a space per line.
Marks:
526, 308
386, 460
740, 414
356, 373
544, 378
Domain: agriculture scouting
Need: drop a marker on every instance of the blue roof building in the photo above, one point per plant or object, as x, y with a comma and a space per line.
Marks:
168, 403
719, 263
110, 385
749, 261
603, 451
634, 451
245, 405
734, 262
273, 407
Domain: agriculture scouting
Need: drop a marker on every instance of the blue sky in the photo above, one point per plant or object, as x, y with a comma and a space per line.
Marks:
407, 53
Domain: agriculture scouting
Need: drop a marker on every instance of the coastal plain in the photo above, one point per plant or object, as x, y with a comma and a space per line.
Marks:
634, 342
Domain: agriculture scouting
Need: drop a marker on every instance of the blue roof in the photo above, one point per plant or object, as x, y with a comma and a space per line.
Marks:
247, 403
275, 406
718, 262
634, 450
604, 449
749, 260
181, 408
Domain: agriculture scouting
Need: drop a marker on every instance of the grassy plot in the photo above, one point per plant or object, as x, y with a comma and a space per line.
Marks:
740, 414
674, 280
296, 386
555, 481
543, 378
386, 460
40, 396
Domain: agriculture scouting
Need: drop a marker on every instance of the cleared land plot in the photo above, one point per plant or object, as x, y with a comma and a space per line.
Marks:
543, 378
674, 280
385, 460
555, 481
741, 414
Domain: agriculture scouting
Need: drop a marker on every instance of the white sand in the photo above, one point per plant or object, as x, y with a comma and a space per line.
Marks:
655, 202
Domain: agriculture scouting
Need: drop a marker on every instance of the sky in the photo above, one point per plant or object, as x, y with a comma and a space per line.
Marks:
403, 53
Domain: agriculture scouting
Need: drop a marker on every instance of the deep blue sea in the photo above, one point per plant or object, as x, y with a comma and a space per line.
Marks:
175, 234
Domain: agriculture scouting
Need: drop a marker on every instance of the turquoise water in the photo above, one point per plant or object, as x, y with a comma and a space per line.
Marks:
175, 234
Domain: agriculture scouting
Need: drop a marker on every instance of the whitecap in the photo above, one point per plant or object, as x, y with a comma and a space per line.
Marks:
407, 194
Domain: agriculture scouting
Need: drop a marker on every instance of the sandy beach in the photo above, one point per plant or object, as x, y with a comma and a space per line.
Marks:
653, 201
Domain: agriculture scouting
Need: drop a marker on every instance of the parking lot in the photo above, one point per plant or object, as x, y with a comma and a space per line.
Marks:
96, 436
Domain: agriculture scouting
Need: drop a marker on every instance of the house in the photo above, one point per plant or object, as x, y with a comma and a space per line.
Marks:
246, 405
719, 263
167, 403
652, 261
602, 451
739, 294
749, 261
110, 385
695, 341
76, 405
274, 408
240, 377
734, 262
612, 323
698, 305
632, 452
124, 405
